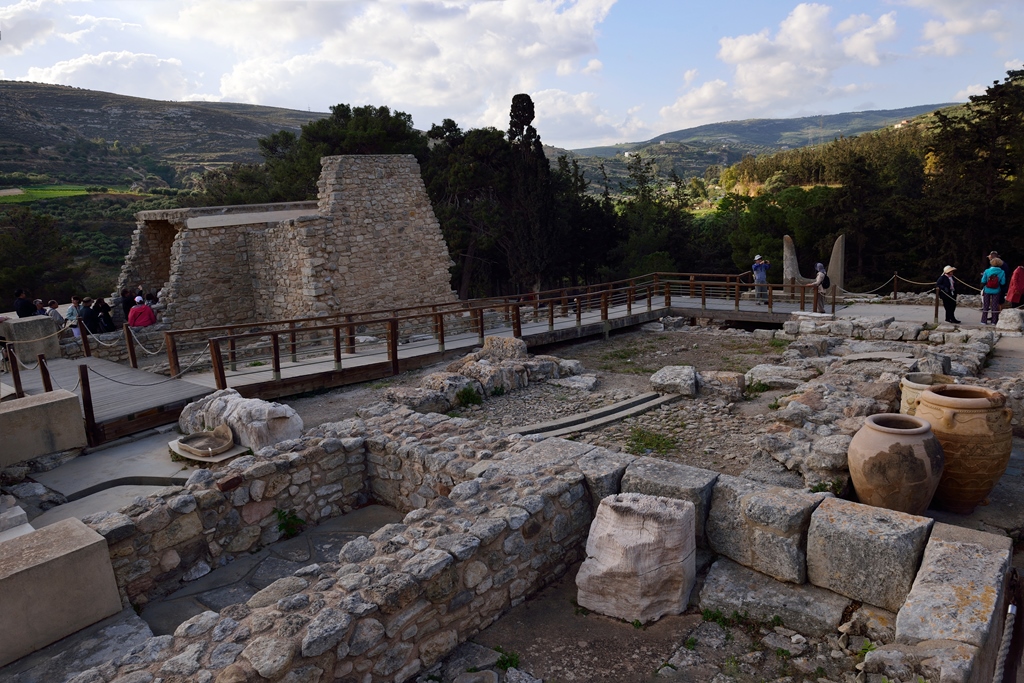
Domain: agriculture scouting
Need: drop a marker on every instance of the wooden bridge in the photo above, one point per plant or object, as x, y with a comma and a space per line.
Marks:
288, 357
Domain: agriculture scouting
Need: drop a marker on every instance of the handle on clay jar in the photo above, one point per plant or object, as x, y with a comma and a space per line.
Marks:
948, 415
1008, 414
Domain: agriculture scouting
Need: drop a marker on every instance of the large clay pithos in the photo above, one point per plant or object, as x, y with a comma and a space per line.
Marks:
912, 384
973, 426
895, 463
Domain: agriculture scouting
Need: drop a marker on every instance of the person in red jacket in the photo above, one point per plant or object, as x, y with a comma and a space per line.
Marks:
141, 315
1016, 289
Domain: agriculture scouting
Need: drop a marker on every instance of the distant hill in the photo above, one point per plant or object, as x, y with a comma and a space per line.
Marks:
691, 150
41, 125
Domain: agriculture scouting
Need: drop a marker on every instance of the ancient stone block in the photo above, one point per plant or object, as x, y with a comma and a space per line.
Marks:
675, 379
419, 399
761, 527
778, 376
254, 423
640, 558
661, 478
958, 592
722, 384
730, 587
866, 553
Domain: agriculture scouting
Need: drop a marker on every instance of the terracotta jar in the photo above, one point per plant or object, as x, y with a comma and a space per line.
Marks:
913, 384
973, 426
895, 462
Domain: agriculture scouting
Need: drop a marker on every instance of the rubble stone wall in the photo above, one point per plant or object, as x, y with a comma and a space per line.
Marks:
371, 242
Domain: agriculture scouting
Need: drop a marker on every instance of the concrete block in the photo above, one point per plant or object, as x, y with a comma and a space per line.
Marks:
39, 425
31, 336
958, 593
660, 478
866, 553
808, 609
54, 582
761, 527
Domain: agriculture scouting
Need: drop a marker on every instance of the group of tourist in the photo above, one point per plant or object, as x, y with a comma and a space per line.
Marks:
93, 314
821, 282
997, 290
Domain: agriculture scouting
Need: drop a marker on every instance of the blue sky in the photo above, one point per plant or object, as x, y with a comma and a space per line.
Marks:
599, 71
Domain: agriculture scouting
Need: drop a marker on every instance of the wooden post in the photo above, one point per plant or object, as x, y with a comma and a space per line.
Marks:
604, 306
834, 288
668, 295
232, 355
291, 342
517, 322
336, 330
803, 298
630, 293
480, 325
44, 372
770, 290
172, 354
217, 364
936, 305
83, 332
439, 326
90, 415
650, 295
393, 344
579, 312
692, 290
130, 345
275, 344
19, 392
737, 285
350, 336
895, 285
703, 296
551, 315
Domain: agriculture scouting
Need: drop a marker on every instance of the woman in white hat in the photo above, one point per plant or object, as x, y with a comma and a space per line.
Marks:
947, 293
760, 269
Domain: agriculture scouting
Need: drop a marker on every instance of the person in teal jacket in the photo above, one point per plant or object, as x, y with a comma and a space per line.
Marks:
992, 280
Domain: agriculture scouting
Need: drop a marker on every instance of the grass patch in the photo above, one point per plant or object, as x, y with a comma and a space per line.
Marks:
757, 388
835, 486
289, 523
468, 396
507, 660
643, 440
32, 194
778, 343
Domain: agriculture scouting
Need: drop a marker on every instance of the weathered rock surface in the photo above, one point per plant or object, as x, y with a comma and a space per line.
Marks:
656, 477
675, 379
640, 558
865, 553
721, 384
254, 423
778, 376
810, 610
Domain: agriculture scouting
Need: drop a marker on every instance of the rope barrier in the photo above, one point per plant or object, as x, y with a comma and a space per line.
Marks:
141, 346
870, 291
30, 341
1004, 647
22, 364
95, 337
56, 383
151, 384
976, 289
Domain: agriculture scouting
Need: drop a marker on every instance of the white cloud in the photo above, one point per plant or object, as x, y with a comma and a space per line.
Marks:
689, 76
975, 89
574, 119
958, 20
1013, 64
593, 66
141, 75
24, 25
794, 66
91, 24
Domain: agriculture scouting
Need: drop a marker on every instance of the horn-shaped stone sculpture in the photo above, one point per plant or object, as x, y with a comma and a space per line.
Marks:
836, 264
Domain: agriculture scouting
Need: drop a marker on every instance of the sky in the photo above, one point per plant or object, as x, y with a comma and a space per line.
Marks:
599, 71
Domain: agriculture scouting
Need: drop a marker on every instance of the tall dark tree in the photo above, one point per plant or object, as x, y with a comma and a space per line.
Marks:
36, 257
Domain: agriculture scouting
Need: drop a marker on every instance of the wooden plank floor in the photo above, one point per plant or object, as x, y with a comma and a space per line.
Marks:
118, 391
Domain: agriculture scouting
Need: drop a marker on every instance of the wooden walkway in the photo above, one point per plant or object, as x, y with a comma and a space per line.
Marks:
124, 400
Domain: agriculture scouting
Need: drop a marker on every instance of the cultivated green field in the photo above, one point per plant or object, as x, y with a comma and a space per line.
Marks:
31, 194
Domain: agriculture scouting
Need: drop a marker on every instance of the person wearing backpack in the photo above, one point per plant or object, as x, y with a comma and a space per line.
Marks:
821, 287
992, 280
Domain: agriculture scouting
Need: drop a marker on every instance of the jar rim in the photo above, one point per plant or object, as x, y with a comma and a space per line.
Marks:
962, 397
898, 423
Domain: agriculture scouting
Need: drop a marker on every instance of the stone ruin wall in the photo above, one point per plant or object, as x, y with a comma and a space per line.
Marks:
492, 519
371, 242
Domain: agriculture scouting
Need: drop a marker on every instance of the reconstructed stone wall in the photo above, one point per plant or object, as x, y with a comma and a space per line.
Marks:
370, 242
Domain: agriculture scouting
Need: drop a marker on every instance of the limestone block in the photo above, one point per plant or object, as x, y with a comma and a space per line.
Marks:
502, 376
541, 368
761, 527
603, 470
675, 379
576, 382
1011, 320
812, 611
640, 558
722, 384
54, 582
865, 553
778, 376
31, 336
958, 592
419, 399
254, 423
450, 384
661, 478
504, 348
764, 335
39, 425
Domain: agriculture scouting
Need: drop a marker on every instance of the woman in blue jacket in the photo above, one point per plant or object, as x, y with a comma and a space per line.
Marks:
992, 281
